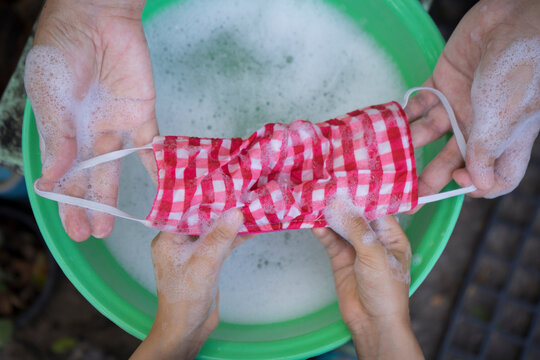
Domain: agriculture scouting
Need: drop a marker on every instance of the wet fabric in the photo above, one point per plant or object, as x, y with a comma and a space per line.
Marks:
283, 176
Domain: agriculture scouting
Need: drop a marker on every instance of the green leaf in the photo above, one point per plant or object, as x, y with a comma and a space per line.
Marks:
63, 345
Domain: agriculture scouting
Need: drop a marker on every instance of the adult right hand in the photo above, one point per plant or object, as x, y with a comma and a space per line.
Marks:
371, 265
490, 73
89, 80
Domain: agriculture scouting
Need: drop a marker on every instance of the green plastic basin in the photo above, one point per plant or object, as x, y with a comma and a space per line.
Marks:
407, 33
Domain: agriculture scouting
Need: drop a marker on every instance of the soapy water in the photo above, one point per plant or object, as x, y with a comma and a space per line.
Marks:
224, 69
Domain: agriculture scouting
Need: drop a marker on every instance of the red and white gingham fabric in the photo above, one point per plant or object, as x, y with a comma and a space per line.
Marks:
283, 176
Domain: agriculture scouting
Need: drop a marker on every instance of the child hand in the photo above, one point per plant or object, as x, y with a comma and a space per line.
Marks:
371, 265
187, 272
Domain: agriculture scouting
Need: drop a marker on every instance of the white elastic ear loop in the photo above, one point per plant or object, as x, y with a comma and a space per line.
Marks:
460, 139
92, 205
114, 155
89, 204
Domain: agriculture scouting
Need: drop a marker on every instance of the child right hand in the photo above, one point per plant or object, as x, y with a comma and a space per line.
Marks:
371, 264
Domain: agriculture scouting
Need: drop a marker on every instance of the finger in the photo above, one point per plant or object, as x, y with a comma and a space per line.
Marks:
104, 183
58, 156
326, 236
503, 107
432, 126
390, 233
480, 164
240, 239
49, 85
143, 136
429, 119
463, 179
332, 242
75, 219
438, 173
511, 166
419, 104
216, 243
509, 169
343, 218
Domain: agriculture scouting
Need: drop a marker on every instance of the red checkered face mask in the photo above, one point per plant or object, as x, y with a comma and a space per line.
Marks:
283, 176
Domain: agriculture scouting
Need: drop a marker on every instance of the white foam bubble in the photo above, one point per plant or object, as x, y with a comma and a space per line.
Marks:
49, 83
505, 97
223, 69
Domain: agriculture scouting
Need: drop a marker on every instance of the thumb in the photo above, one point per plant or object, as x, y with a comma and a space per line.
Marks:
218, 240
344, 218
501, 102
480, 164
390, 233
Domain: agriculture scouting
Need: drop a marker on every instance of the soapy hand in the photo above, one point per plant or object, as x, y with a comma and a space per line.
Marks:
490, 72
187, 272
89, 79
371, 264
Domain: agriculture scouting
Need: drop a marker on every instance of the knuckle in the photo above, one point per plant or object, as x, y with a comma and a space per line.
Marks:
436, 121
425, 184
222, 232
358, 227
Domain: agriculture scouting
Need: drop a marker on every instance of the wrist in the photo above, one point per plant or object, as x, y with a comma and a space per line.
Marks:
131, 9
386, 338
155, 347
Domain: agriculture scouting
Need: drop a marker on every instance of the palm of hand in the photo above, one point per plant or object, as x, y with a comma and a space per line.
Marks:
487, 101
110, 100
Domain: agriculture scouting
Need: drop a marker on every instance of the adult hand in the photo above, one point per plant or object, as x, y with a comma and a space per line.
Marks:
371, 265
490, 72
89, 79
187, 272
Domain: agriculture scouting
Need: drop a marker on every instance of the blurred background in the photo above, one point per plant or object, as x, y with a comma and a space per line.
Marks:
481, 301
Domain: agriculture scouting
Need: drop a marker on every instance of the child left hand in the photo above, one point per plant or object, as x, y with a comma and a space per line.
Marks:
187, 272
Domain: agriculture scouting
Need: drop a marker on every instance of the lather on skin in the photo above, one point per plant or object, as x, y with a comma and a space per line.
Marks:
497, 106
372, 292
102, 42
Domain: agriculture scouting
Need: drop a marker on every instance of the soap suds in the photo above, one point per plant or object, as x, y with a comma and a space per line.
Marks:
340, 212
505, 97
72, 119
224, 69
